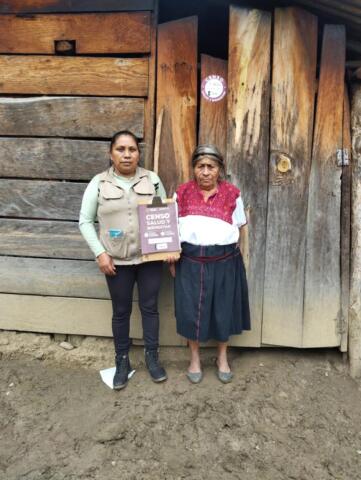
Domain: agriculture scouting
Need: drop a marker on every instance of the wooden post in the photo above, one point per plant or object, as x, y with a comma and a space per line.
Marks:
355, 287
158, 133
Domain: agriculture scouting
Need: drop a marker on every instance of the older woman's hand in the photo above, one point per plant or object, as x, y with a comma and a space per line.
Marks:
171, 263
106, 264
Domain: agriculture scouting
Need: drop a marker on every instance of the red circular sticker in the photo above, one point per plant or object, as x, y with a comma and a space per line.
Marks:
214, 88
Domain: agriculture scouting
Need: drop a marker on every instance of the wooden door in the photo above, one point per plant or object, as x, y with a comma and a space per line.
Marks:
302, 294
288, 168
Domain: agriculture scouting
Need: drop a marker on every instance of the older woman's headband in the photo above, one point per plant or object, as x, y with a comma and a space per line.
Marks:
207, 151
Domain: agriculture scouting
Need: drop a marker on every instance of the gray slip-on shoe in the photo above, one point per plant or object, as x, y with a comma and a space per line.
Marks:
224, 377
195, 377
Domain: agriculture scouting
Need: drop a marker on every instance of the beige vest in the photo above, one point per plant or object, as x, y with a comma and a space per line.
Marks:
118, 215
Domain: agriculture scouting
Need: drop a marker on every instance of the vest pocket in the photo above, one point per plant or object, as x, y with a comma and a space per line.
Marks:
108, 191
115, 242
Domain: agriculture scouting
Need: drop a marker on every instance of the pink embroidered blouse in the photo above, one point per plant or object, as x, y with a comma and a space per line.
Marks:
212, 222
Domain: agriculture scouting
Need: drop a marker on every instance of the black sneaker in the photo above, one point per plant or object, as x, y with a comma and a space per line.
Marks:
123, 367
156, 370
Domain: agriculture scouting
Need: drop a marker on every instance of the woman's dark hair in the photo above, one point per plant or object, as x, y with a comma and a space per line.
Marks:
127, 133
208, 150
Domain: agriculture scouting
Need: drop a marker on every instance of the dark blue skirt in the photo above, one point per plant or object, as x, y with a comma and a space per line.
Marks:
211, 293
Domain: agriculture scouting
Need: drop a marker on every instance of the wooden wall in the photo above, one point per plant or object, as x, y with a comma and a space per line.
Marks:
285, 127
70, 78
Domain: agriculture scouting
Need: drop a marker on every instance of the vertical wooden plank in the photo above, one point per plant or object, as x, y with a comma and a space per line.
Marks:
322, 302
149, 111
293, 92
248, 140
213, 114
345, 221
177, 94
355, 284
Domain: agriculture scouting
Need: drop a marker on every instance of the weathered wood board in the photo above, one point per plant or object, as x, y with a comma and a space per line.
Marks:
346, 220
248, 137
40, 199
95, 117
177, 94
42, 238
52, 158
36, 74
322, 302
93, 33
355, 281
71, 116
52, 277
78, 316
293, 92
56, 6
213, 115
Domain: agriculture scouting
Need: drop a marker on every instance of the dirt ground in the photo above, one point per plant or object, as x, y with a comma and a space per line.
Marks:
288, 414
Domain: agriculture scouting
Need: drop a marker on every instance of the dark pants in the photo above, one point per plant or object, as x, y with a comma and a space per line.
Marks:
148, 277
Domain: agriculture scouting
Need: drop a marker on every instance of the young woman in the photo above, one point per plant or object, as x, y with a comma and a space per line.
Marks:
112, 197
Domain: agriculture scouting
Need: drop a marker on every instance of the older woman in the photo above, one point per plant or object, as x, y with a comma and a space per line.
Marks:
112, 197
211, 295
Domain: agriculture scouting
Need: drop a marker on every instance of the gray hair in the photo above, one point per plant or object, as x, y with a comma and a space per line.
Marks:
208, 150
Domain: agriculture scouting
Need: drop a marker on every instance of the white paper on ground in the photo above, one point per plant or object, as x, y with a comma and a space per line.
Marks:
108, 374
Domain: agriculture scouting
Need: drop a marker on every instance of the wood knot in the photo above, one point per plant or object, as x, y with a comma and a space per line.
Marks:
283, 163
282, 168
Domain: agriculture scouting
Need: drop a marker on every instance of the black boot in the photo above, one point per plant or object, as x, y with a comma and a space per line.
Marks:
123, 367
155, 369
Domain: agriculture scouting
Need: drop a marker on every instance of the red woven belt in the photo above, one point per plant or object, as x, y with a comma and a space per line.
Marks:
211, 259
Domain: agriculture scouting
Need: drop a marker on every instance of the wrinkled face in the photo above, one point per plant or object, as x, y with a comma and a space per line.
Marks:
206, 172
125, 156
